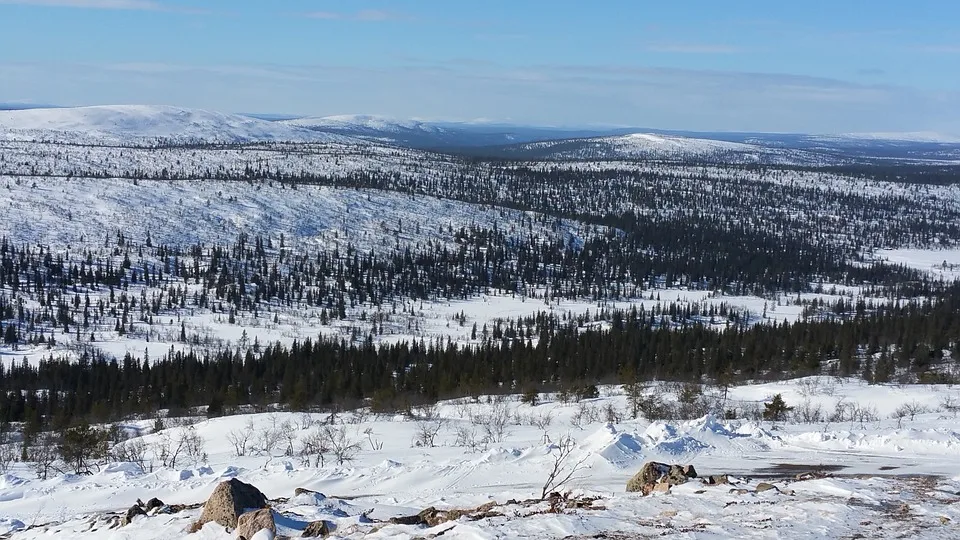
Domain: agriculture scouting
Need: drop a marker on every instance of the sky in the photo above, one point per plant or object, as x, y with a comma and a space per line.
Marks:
815, 66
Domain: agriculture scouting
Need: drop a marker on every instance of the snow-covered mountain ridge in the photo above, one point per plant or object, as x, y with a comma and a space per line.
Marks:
136, 123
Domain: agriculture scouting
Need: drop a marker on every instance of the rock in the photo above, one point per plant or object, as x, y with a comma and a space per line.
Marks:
764, 486
716, 479
316, 529
661, 487
654, 473
251, 523
153, 503
133, 512
229, 501
305, 491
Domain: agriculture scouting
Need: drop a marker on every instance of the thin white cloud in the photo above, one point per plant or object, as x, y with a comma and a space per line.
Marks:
693, 48
128, 5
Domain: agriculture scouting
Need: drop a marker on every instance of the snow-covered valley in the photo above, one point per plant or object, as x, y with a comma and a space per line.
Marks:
188, 297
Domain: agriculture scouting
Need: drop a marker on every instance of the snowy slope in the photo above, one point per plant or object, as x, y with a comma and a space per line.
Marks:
130, 123
361, 122
663, 147
889, 481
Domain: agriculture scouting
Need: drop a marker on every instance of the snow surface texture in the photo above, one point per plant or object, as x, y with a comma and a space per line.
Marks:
890, 480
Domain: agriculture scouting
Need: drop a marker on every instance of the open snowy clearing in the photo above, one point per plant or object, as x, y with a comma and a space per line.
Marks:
888, 480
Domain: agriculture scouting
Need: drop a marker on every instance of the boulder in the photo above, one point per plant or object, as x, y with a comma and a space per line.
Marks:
133, 512
229, 501
716, 479
251, 523
305, 491
153, 503
653, 473
316, 529
764, 486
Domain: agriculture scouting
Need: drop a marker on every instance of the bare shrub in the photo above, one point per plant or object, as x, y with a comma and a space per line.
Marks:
466, 437
240, 439
375, 444
612, 414
8, 455
564, 466
186, 447
542, 420
950, 404
808, 413
43, 455
342, 446
132, 451
911, 410
587, 413
427, 430
313, 447
494, 421
267, 438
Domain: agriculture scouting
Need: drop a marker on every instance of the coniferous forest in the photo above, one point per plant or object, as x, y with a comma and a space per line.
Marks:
243, 275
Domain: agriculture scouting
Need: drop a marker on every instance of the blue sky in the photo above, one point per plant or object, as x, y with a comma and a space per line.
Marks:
812, 66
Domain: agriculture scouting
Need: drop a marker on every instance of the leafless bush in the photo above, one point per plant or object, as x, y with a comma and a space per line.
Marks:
612, 414
267, 438
304, 421
808, 413
358, 416
240, 438
341, 445
494, 421
427, 430
466, 437
132, 451
184, 448
8, 455
43, 455
375, 444
950, 404
911, 409
564, 466
542, 420
313, 447
586, 414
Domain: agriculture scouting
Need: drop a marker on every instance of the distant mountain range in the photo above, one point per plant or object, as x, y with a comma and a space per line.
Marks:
136, 124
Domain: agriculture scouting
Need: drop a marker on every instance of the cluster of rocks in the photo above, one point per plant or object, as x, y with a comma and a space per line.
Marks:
656, 477
235, 505
659, 477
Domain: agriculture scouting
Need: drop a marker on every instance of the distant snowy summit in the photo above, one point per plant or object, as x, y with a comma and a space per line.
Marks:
137, 123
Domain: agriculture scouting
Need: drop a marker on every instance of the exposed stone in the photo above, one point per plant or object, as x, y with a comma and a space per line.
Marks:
133, 512
661, 487
229, 501
654, 473
251, 523
316, 529
764, 486
716, 479
305, 491
153, 503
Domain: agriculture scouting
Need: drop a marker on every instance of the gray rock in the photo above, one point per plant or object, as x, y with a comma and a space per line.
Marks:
229, 501
316, 529
251, 523
133, 512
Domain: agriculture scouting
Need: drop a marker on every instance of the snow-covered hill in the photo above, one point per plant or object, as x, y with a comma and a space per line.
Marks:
664, 147
138, 123
893, 474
